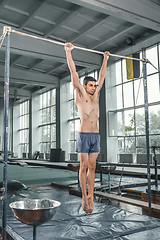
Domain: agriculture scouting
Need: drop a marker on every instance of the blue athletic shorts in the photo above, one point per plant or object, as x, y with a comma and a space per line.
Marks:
88, 142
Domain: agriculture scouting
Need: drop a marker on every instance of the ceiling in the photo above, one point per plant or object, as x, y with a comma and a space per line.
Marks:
120, 26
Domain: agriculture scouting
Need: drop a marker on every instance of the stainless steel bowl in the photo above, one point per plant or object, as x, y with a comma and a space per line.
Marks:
34, 211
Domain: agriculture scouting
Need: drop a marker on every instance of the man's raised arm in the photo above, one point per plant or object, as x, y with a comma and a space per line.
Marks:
103, 70
71, 65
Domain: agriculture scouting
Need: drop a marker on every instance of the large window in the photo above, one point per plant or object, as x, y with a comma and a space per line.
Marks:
127, 121
48, 121
74, 120
24, 127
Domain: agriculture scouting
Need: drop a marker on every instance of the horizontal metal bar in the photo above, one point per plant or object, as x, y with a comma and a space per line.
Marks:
76, 47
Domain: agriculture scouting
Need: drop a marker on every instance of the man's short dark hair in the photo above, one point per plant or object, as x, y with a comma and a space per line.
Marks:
87, 79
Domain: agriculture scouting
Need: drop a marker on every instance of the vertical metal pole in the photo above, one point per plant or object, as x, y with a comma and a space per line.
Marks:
30, 128
58, 132
109, 182
34, 231
101, 177
155, 166
6, 104
147, 133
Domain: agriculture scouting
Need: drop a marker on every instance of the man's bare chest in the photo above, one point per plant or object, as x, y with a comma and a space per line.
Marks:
88, 105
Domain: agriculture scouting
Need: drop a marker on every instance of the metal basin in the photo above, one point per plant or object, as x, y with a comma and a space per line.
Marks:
34, 211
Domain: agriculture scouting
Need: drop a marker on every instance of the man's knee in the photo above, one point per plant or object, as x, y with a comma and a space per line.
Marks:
83, 166
92, 166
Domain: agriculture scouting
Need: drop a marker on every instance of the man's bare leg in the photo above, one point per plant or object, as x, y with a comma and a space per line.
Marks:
91, 178
83, 179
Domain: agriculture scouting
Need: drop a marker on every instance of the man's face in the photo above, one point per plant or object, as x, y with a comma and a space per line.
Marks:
90, 87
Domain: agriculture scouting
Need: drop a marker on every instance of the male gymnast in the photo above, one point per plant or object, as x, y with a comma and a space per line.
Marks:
88, 139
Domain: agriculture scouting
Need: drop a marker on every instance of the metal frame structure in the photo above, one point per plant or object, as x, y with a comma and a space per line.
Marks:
6, 107
147, 133
6, 34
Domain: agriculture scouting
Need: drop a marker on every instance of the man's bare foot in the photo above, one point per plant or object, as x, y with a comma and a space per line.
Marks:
90, 203
85, 205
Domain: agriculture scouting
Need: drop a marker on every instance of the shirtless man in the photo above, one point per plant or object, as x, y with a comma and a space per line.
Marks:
88, 139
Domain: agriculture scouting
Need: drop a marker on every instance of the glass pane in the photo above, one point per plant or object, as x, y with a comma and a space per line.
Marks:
44, 120
119, 97
53, 145
72, 127
49, 133
141, 144
129, 123
45, 133
77, 124
46, 115
139, 92
41, 147
153, 88
120, 124
129, 144
112, 116
140, 121
53, 97
155, 141
21, 122
42, 116
48, 98
151, 55
75, 110
42, 134
48, 147
154, 119
21, 108
124, 70
22, 149
120, 145
72, 146
128, 94
26, 122
27, 148
26, 136
118, 72
44, 103
53, 133
53, 114
71, 91
116, 125
71, 108
21, 136
26, 107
